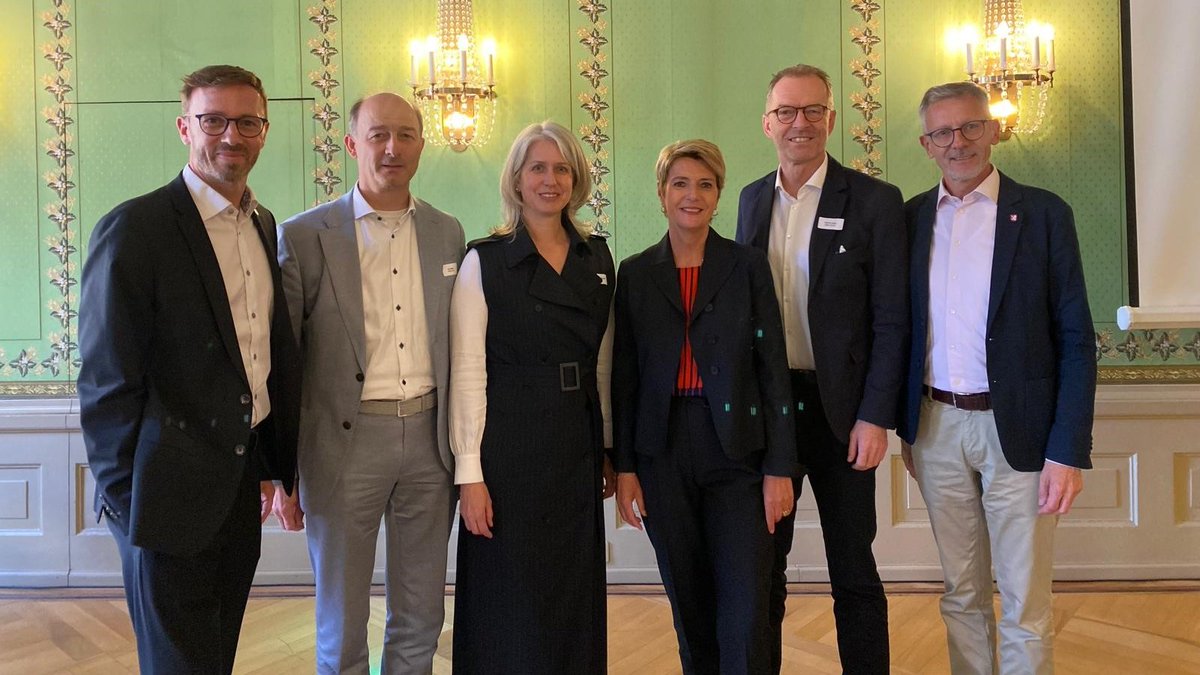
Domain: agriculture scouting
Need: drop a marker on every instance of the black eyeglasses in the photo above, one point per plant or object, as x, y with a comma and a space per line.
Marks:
786, 114
215, 125
972, 131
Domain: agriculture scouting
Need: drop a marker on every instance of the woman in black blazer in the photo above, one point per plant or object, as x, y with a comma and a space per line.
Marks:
702, 415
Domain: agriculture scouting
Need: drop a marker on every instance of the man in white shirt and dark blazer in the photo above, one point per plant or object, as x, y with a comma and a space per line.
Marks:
368, 280
996, 413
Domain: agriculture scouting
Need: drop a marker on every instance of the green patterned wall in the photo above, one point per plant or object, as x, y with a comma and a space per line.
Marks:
88, 96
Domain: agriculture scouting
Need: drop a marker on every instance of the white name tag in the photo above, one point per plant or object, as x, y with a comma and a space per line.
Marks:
829, 223
449, 269
603, 279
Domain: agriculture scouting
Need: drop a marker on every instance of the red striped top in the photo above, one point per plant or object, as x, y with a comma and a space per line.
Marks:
687, 381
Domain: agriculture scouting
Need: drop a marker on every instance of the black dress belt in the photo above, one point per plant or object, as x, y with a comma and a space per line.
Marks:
971, 402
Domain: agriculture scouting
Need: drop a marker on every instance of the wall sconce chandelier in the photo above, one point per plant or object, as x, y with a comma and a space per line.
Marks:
1010, 63
453, 82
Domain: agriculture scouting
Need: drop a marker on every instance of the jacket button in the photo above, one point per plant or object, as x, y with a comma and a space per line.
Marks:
712, 340
245, 399
346, 425
708, 307
714, 370
239, 449
359, 377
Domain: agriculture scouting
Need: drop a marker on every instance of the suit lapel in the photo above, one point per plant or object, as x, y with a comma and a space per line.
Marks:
718, 263
545, 284
431, 263
339, 244
760, 216
193, 231
919, 265
831, 205
664, 273
1009, 221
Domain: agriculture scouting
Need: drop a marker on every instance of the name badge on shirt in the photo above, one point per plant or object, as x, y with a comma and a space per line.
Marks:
603, 279
830, 223
449, 269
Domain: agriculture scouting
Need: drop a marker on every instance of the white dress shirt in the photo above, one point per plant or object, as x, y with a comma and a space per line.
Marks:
787, 252
468, 372
960, 282
399, 364
247, 277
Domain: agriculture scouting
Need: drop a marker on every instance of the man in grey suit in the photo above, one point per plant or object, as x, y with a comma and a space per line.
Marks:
368, 280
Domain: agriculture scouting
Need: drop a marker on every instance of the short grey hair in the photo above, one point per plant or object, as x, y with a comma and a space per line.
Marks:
942, 92
802, 70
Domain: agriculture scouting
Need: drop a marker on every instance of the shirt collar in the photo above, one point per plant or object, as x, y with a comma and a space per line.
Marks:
208, 201
989, 188
816, 180
362, 208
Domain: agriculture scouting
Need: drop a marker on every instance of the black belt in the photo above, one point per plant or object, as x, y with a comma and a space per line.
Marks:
971, 402
570, 376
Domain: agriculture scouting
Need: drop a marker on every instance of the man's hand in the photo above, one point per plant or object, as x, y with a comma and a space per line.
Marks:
287, 509
906, 455
610, 479
475, 507
778, 499
629, 491
1059, 487
868, 445
266, 490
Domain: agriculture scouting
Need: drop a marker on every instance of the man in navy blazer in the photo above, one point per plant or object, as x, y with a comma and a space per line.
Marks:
188, 388
835, 241
1001, 384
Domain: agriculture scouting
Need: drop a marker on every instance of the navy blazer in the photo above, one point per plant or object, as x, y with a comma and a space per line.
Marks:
737, 341
164, 399
1041, 345
857, 304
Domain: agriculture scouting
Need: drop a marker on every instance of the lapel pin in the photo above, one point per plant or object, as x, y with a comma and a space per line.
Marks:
603, 278
1012, 217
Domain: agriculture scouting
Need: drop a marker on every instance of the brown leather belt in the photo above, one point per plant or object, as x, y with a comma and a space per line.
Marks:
972, 402
410, 406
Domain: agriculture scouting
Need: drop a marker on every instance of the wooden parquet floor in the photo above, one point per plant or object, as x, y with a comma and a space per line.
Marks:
1151, 632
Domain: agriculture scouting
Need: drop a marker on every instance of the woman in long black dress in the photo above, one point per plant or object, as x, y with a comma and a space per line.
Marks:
530, 360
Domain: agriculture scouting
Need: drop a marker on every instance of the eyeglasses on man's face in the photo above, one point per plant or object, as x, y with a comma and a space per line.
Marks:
215, 125
944, 137
786, 114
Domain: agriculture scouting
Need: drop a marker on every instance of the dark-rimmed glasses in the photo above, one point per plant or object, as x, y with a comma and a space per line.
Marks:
944, 137
786, 114
215, 125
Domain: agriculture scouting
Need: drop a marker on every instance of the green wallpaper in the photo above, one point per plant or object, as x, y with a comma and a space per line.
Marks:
88, 96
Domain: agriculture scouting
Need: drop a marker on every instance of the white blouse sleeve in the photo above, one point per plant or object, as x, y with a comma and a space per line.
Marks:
468, 370
604, 379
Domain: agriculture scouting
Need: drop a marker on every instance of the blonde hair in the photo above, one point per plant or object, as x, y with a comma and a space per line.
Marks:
510, 197
705, 152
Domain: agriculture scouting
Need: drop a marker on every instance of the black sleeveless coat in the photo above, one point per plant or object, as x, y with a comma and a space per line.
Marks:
532, 598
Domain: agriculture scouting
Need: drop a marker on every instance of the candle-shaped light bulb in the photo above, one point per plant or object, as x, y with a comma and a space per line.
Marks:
431, 45
462, 57
1050, 54
489, 50
970, 61
414, 50
1037, 52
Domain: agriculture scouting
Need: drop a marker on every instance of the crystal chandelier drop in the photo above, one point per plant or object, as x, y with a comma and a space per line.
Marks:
453, 80
1015, 63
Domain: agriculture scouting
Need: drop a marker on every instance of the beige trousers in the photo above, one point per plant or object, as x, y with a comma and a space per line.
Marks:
985, 516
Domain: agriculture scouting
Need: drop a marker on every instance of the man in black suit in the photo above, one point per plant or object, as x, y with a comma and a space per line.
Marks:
836, 244
189, 386
1001, 384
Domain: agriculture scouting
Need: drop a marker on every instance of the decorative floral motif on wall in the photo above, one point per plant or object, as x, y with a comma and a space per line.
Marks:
327, 176
596, 102
866, 36
57, 174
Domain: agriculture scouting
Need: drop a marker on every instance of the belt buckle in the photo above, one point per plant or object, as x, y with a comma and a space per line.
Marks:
568, 376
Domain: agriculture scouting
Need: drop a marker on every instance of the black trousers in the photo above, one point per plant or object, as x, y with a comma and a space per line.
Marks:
706, 521
846, 505
187, 610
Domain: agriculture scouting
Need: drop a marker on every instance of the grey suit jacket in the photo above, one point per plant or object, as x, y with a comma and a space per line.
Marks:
318, 255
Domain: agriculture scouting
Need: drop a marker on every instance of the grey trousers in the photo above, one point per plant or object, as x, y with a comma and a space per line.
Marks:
984, 515
393, 474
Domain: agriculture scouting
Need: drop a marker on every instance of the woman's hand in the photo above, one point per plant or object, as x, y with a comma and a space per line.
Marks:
777, 499
287, 509
610, 479
629, 490
475, 507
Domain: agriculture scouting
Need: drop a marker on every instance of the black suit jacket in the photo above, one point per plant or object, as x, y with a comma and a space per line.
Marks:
737, 341
164, 399
1041, 344
857, 299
